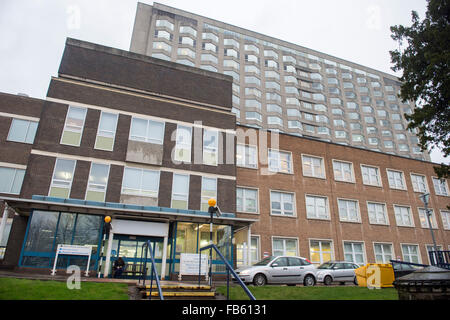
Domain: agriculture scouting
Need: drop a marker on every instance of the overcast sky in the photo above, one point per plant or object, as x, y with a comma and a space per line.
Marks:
33, 32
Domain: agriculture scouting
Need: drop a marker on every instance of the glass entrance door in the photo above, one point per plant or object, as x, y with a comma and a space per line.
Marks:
130, 249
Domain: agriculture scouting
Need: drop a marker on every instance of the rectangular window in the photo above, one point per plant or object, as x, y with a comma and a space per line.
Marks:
147, 131
383, 252
343, 171
348, 210
313, 167
73, 127
98, 181
62, 178
280, 161
183, 144
282, 203
354, 252
317, 207
320, 251
11, 180
411, 253
377, 213
430, 247
440, 186
254, 249
419, 183
106, 131
445, 216
371, 175
180, 191
403, 216
209, 190
210, 147
284, 247
396, 180
140, 182
246, 200
424, 219
22, 131
246, 156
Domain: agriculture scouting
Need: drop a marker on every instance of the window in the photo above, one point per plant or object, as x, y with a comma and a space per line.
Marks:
246, 156
180, 191
207, 46
209, 190
251, 58
246, 200
254, 249
445, 216
210, 36
185, 51
189, 30
284, 247
183, 143
383, 252
161, 56
424, 219
140, 182
410, 253
275, 108
396, 180
282, 203
147, 131
252, 103
313, 167
317, 207
280, 161
275, 120
106, 132
371, 175
343, 171
73, 127
12, 179
419, 183
209, 57
403, 216
163, 34
252, 80
348, 210
164, 23
97, 183
377, 213
210, 147
251, 47
440, 186
294, 124
320, 251
354, 252
22, 131
62, 178
251, 115
162, 46
430, 247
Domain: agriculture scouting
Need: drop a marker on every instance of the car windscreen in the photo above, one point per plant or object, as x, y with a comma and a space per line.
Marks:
264, 261
325, 266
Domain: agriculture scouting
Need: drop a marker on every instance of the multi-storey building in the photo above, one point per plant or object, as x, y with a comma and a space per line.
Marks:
148, 142
282, 86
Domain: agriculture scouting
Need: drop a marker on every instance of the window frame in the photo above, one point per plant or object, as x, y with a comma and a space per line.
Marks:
99, 134
427, 189
210, 149
294, 203
364, 253
322, 165
146, 137
352, 171
278, 158
419, 255
327, 207
89, 184
81, 129
8, 137
433, 215
385, 211
15, 168
181, 146
402, 174
383, 254
357, 209
284, 244
320, 250
140, 193
380, 185
243, 188
446, 187
53, 174
411, 216
245, 146
179, 194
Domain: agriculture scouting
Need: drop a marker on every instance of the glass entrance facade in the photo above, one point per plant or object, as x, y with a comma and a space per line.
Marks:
47, 229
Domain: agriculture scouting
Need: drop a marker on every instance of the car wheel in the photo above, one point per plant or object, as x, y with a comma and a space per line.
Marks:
355, 281
259, 280
309, 281
327, 280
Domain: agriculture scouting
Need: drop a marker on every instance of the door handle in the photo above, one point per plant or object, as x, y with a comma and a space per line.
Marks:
285, 268
302, 268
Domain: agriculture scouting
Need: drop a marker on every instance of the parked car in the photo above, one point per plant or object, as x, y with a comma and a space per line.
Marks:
279, 270
337, 271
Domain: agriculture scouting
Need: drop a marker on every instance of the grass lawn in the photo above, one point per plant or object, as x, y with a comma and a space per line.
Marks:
24, 289
310, 293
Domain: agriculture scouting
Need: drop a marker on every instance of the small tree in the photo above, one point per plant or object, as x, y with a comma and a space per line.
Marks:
426, 76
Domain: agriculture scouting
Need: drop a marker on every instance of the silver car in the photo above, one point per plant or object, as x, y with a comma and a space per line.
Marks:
337, 271
279, 270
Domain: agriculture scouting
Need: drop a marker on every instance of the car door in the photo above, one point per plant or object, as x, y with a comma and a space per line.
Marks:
279, 271
338, 272
296, 270
349, 272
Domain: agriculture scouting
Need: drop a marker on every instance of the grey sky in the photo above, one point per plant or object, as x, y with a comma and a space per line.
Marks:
33, 32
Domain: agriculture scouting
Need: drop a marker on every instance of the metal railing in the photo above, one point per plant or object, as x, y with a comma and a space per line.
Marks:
408, 263
440, 258
147, 246
229, 269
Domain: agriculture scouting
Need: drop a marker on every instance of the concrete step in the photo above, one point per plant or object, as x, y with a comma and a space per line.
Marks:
178, 287
183, 295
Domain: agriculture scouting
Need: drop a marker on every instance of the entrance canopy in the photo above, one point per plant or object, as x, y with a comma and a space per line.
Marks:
120, 210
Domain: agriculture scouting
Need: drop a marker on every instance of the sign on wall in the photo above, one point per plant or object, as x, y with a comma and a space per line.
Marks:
189, 265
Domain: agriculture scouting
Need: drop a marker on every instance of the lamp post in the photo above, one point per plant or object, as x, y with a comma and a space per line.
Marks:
425, 199
211, 210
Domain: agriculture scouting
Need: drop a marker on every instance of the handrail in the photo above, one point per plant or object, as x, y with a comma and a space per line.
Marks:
153, 268
229, 269
440, 258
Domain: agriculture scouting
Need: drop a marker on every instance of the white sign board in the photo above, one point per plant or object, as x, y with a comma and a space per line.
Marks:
73, 250
189, 265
